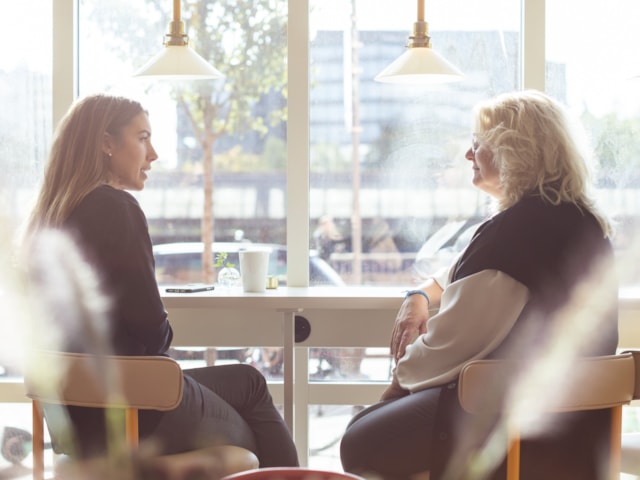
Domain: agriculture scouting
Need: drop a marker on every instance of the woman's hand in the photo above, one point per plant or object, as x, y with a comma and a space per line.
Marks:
411, 321
394, 390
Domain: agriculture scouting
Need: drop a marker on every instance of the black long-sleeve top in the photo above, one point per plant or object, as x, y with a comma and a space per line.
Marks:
112, 231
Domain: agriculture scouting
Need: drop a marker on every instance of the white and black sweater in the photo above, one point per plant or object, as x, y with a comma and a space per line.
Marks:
519, 270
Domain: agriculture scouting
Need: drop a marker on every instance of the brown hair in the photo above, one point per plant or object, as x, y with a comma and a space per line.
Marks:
77, 163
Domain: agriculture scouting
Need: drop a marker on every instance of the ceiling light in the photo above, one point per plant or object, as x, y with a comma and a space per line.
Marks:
420, 64
178, 59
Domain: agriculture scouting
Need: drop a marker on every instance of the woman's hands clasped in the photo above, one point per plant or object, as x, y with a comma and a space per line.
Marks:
411, 321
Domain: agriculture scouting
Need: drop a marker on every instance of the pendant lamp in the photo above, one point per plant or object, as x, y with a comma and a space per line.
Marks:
420, 64
178, 59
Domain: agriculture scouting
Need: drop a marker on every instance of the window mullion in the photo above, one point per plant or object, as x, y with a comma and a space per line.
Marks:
65, 58
533, 44
298, 145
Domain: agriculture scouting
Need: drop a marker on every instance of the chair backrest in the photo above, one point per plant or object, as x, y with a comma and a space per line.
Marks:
104, 381
129, 382
636, 359
591, 383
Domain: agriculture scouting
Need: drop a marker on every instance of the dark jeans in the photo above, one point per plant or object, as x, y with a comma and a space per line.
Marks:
428, 430
392, 439
227, 404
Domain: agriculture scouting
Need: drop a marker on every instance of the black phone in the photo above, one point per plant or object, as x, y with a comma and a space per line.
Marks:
191, 288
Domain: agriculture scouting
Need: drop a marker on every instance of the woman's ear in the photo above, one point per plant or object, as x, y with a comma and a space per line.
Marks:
107, 144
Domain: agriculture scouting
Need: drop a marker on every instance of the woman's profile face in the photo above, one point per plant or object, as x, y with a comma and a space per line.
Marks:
486, 175
130, 154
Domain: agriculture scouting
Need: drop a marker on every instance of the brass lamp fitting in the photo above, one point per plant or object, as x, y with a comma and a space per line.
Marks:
176, 35
420, 37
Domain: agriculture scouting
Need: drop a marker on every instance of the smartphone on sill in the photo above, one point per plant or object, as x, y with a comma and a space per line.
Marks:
191, 288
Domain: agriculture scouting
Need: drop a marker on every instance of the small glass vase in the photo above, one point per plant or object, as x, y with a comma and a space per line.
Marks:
229, 277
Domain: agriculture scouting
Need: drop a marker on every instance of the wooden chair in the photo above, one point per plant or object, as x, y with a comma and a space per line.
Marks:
131, 383
606, 382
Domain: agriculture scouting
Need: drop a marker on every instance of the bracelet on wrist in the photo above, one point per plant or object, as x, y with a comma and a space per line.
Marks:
408, 293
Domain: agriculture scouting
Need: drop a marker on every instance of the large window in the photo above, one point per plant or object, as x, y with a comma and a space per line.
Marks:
389, 198
386, 163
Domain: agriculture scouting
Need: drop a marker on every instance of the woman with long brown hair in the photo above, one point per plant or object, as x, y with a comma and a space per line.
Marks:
101, 149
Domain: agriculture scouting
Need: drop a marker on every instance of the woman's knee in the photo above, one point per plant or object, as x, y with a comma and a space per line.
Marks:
251, 376
251, 372
352, 453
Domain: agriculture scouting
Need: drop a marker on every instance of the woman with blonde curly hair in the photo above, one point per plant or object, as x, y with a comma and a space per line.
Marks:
536, 147
517, 283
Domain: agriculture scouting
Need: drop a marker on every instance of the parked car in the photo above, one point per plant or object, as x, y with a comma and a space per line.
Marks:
179, 263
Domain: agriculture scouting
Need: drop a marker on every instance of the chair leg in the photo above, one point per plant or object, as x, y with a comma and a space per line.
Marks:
615, 457
38, 441
513, 453
131, 429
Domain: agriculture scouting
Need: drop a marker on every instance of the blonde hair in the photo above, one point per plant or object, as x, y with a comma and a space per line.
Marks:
77, 163
537, 148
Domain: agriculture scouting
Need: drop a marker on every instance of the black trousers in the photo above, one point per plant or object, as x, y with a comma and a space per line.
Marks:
428, 430
227, 404
392, 439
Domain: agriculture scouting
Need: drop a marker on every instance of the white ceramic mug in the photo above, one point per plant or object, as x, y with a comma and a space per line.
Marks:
253, 270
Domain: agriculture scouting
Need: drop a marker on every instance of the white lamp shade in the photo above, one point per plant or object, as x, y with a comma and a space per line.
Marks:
419, 65
178, 61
